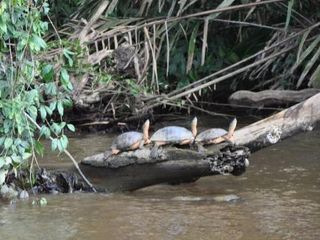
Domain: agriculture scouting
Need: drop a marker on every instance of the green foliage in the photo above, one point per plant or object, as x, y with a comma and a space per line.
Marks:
31, 89
41, 202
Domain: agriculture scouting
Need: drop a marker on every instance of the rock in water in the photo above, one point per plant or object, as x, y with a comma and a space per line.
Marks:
8, 192
23, 194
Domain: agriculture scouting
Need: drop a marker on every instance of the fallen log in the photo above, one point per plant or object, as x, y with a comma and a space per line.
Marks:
269, 98
143, 167
300, 117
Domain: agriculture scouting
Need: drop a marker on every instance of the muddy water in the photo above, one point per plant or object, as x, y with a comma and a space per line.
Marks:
277, 198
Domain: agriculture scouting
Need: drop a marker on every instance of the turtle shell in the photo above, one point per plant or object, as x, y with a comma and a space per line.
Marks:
210, 134
172, 134
125, 140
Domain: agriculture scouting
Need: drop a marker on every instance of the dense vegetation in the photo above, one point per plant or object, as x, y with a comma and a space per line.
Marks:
112, 60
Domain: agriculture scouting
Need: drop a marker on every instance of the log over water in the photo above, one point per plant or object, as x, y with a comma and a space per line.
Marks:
298, 118
141, 168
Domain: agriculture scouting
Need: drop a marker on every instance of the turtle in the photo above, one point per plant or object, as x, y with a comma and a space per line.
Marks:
131, 140
175, 135
217, 135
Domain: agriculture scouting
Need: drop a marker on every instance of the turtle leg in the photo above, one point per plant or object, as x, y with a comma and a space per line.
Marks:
160, 143
141, 143
154, 150
186, 141
229, 139
218, 140
200, 148
135, 145
222, 139
114, 151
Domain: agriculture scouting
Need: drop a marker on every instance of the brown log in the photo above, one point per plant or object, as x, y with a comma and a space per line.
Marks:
141, 168
300, 117
271, 97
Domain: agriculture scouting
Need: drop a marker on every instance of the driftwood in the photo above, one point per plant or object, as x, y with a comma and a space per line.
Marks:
144, 167
271, 97
141, 168
300, 117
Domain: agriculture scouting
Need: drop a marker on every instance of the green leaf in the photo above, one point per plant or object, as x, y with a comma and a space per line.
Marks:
43, 112
3, 174
2, 162
37, 43
67, 102
26, 155
33, 112
60, 108
54, 144
45, 131
55, 127
48, 110
71, 127
65, 79
67, 54
8, 143
46, 8
64, 141
3, 25
2, 141
64, 75
60, 146
16, 159
47, 73
39, 148
22, 43
50, 89
53, 106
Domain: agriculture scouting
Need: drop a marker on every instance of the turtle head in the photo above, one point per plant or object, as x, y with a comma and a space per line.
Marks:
194, 126
145, 130
232, 127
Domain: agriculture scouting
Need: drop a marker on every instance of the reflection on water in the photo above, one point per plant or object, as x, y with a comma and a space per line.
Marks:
277, 198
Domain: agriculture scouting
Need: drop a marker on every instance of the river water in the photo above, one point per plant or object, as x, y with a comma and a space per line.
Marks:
277, 198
